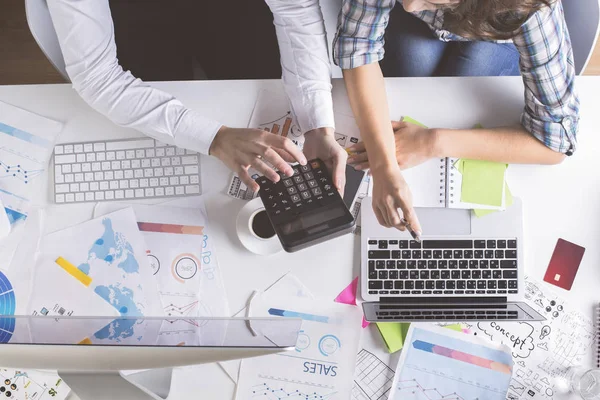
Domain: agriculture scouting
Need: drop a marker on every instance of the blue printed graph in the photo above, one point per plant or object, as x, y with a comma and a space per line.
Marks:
279, 392
7, 308
14, 216
18, 172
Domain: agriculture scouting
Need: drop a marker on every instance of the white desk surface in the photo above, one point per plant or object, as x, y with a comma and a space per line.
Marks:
560, 201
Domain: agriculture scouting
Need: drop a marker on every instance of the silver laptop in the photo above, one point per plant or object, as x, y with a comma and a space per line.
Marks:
465, 268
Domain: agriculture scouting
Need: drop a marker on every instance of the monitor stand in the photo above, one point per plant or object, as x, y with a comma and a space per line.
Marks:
110, 385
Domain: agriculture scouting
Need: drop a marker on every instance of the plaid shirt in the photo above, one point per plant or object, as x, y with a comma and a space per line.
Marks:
546, 60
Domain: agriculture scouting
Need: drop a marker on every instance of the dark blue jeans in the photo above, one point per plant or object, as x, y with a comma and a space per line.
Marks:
412, 49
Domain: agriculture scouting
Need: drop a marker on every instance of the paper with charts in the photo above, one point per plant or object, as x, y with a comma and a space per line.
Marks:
272, 114
183, 262
321, 366
26, 142
108, 255
438, 363
543, 351
32, 385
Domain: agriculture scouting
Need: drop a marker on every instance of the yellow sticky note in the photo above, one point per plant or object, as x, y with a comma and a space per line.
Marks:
393, 334
74, 271
412, 121
482, 182
509, 201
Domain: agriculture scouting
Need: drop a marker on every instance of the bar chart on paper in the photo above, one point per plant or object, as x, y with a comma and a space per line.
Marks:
439, 367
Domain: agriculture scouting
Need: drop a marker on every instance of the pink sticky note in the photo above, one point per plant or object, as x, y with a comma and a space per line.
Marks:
348, 296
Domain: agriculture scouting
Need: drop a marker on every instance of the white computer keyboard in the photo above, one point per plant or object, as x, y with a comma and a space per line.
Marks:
123, 169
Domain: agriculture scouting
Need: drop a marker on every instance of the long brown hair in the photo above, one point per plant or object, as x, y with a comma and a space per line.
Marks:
490, 19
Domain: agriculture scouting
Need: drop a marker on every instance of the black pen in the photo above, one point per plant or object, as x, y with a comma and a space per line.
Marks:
414, 234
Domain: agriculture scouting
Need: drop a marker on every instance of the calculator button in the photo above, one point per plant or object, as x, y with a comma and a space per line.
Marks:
305, 195
295, 198
296, 171
309, 175
288, 182
292, 190
302, 187
317, 191
327, 187
313, 184
298, 179
305, 168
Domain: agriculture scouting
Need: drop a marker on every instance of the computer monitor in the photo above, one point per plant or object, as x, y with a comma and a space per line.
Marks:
89, 353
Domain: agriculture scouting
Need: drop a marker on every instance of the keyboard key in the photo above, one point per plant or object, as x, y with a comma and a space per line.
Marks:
419, 285
371, 241
380, 264
512, 244
411, 264
458, 254
508, 264
375, 285
383, 244
443, 264
432, 264
512, 284
491, 244
414, 274
494, 264
379, 254
401, 264
501, 244
465, 274
499, 254
508, 274
422, 264
398, 285
497, 274
409, 285
502, 284
484, 264
452, 264
406, 254
396, 254
510, 254
437, 254
416, 254
424, 275
476, 274
393, 275
414, 244
427, 254
478, 254
479, 244
463, 264
468, 254
388, 285
486, 274
481, 285
447, 244
383, 274
65, 159
455, 274
403, 244
390, 264
473, 264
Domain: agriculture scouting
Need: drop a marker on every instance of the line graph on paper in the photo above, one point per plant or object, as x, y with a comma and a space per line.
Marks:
276, 388
372, 377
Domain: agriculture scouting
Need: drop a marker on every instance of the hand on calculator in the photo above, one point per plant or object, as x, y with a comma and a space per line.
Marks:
320, 143
241, 149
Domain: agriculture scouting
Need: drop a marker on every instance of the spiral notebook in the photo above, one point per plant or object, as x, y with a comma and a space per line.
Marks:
438, 183
598, 336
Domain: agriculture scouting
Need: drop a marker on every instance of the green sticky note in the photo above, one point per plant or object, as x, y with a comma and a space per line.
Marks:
509, 200
482, 182
454, 327
412, 121
393, 334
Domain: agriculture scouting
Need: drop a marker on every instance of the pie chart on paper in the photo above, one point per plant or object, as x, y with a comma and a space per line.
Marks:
7, 308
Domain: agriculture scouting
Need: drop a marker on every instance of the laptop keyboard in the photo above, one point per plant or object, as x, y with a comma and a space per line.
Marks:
447, 315
442, 267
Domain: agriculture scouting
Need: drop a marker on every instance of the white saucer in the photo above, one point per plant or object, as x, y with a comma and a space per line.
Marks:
250, 241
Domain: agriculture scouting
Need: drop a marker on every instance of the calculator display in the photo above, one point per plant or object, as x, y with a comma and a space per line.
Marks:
312, 220
305, 208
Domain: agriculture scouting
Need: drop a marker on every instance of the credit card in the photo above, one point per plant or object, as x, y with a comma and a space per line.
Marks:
564, 264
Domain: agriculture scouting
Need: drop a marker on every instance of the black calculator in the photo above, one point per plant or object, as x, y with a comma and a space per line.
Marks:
306, 208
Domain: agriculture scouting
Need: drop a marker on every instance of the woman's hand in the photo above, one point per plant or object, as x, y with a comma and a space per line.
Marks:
414, 146
243, 148
390, 193
320, 143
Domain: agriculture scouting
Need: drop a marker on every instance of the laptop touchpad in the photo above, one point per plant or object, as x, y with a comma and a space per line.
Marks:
444, 221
